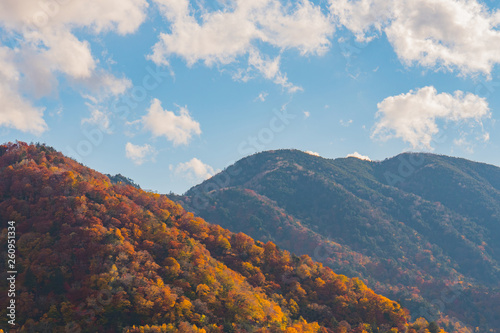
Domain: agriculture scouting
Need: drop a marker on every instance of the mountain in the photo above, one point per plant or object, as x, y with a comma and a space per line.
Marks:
93, 256
419, 228
119, 178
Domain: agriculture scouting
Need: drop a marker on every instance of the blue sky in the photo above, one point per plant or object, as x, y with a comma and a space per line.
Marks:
168, 92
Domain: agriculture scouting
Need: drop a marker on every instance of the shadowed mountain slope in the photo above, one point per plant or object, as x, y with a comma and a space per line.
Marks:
97, 257
420, 228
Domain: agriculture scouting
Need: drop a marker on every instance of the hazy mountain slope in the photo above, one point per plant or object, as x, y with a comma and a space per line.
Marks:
98, 257
414, 226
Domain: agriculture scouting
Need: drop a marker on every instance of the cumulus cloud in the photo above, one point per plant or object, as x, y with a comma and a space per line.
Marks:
194, 170
139, 154
122, 16
413, 116
176, 128
15, 111
312, 153
46, 48
365, 18
20, 114
460, 35
223, 36
358, 155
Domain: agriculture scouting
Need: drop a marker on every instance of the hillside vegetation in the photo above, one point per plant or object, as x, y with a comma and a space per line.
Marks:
419, 228
98, 257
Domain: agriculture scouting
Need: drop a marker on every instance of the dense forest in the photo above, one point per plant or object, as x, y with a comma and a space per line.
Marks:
93, 256
422, 229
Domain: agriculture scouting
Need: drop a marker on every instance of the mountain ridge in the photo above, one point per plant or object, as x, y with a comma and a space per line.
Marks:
416, 221
93, 256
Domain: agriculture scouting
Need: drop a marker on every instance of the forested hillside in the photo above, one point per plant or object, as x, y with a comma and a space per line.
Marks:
419, 228
98, 257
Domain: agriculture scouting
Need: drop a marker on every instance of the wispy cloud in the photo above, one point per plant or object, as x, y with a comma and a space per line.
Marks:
346, 123
262, 96
98, 118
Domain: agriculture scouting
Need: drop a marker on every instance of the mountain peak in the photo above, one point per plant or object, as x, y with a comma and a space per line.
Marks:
421, 221
97, 256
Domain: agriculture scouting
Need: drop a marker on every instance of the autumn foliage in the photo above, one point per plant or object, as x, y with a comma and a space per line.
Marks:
97, 257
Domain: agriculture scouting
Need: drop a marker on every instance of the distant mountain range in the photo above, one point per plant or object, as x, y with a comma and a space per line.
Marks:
97, 254
419, 228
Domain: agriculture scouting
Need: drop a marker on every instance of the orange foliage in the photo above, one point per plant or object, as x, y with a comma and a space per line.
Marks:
112, 256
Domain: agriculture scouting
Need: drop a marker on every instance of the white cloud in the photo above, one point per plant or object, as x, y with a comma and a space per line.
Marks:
102, 84
306, 29
45, 48
122, 16
56, 112
262, 96
358, 155
194, 170
139, 154
176, 128
222, 36
307, 114
312, 153
270, 69
468, 139
465, 144
485, 137
412, 116
365, 18
346, 123
458, 35
15, 111
97, 118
